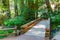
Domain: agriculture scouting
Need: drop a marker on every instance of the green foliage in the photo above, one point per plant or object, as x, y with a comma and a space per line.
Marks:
5, 4
2, 18
9, 31
15, 21
2, 37
53, 27
55, 21
44, 13
5, 32
55, 0
41, 2
58, 26
45, 16
26, 16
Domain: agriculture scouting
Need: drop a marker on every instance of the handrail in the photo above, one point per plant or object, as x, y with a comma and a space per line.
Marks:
24, 27
29, 26
8, 29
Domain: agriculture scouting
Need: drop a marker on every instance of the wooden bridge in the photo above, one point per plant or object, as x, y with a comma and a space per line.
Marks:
35, 30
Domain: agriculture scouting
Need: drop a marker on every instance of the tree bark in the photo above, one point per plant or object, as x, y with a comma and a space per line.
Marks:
16, 8
32, 9
1, 6
48, 6
49, 10
12, 8
36, 8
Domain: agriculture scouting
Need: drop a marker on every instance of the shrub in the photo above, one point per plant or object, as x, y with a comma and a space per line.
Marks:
5, 32
2, 18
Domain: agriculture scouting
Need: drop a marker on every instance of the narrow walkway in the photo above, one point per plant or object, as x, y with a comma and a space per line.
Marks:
35, 33
57, 37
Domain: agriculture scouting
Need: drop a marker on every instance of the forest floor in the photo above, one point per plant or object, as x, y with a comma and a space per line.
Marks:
35, 33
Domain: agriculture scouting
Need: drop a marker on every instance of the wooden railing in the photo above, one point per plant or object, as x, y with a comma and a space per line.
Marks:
5, 29
24, 28
28, 26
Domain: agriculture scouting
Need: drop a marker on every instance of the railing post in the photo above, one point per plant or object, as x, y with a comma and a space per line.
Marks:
3, 26
15, 30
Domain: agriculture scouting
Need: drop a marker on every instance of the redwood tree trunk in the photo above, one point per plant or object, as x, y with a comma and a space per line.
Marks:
48, 6
36, 8
49, 10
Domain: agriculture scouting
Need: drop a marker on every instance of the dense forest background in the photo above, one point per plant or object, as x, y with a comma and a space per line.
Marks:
19, 12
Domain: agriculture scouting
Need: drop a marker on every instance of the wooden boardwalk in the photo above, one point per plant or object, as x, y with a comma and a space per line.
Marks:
35, 33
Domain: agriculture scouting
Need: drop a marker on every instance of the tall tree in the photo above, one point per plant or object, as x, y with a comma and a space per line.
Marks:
6, 7
36, 8
16, 7
31, 9
1, 6
49, 10
48, 6
12, 8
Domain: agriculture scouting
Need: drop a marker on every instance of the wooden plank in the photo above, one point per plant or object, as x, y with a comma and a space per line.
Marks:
8, 29
4, 34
